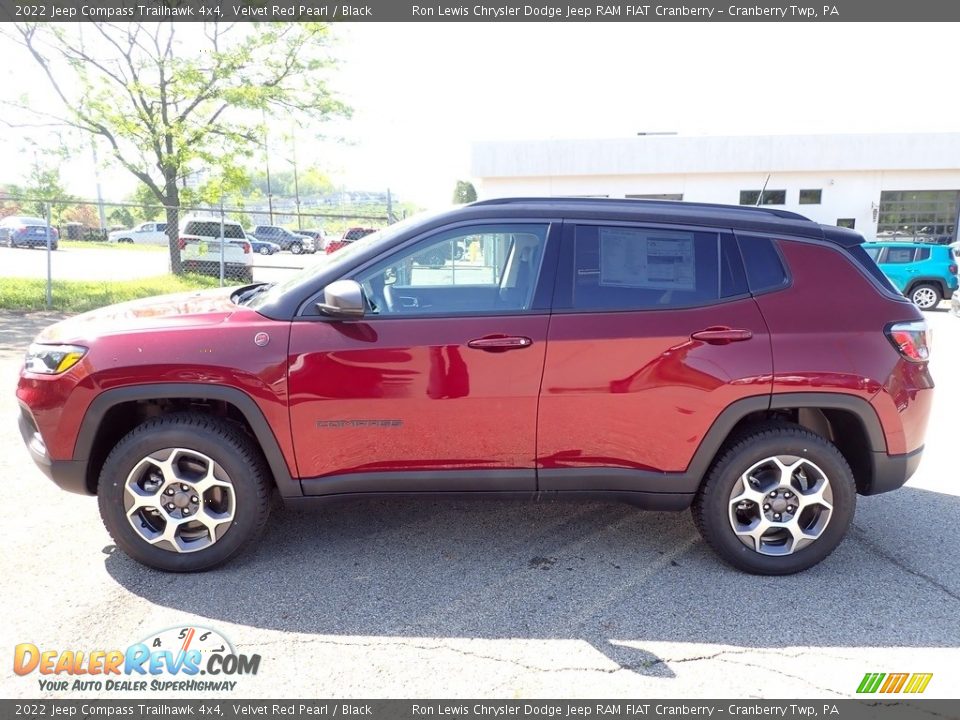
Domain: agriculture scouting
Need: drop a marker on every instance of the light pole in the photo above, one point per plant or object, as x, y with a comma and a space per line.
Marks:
296, 181
266, 158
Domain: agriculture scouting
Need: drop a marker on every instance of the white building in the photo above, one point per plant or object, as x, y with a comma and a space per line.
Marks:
893, 185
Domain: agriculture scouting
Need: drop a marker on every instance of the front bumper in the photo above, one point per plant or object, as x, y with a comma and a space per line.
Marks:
70, 475
890, 472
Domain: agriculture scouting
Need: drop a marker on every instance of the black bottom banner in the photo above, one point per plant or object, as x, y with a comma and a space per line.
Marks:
497, 709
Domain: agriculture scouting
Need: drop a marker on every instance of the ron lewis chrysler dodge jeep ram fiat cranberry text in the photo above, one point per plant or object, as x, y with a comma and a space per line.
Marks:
672, 355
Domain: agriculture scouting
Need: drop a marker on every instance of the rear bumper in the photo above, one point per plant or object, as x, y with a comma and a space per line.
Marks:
70, 475
892, 471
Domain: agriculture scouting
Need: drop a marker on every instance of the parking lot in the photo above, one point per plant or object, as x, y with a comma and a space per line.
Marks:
413, 598
97, 263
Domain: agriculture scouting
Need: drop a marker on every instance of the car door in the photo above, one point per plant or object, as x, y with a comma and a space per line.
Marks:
897, 264
435, 388
654, 334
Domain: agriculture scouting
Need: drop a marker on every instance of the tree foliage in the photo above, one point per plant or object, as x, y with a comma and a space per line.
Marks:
171, 99
464, 193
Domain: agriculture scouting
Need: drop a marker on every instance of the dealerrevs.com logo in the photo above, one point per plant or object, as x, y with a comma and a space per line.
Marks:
172, 660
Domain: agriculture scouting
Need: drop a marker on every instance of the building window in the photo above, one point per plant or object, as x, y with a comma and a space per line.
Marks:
810, 197
918, 215
847, 223
657, 196
770, 197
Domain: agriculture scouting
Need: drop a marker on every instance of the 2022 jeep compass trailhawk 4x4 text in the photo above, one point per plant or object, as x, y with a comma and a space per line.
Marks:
671, 355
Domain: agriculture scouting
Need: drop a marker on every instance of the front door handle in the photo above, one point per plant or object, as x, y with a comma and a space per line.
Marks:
500, 343
719, 335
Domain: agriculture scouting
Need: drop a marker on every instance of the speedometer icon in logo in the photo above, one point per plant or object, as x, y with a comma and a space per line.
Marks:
181, 640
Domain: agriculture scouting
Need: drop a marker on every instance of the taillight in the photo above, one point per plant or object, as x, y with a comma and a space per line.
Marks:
246, 248
952, 267
181, 243
911, 339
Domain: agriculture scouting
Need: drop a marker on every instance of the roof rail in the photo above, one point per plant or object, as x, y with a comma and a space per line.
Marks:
786, 214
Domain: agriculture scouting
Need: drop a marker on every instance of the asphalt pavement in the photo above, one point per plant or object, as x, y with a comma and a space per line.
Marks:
414, 598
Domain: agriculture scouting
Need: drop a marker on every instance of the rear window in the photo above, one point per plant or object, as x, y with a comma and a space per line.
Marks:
638, 268
762, 261
899, 256
211, 228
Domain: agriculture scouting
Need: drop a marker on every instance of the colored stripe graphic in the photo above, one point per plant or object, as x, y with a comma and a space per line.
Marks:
918, 683
870, 682
895, 682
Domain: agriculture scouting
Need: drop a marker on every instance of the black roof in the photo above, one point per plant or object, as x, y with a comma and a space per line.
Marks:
737, 217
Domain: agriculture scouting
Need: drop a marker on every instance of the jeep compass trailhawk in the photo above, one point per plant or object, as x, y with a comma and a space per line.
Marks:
671, 355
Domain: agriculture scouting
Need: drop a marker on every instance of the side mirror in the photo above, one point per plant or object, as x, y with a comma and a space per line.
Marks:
342, 299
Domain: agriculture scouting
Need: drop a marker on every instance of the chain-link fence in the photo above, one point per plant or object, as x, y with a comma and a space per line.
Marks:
110, 251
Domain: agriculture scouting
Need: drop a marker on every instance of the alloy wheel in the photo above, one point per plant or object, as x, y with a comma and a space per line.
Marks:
925, 297
780, 505
179, 500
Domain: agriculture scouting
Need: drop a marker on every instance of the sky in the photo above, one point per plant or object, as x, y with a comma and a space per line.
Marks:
422, 93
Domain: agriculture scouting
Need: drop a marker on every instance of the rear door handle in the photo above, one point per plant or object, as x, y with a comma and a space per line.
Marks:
500, 343
721, 335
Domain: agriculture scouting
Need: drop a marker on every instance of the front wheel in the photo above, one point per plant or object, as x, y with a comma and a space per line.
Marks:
925, 296
779, 500
184, 492
264, 250
296, 248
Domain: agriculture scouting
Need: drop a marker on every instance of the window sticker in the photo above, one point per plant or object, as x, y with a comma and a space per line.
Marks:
654, 260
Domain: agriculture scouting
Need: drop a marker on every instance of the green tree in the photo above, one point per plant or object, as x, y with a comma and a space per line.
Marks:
41, 182
169, 97
464, 193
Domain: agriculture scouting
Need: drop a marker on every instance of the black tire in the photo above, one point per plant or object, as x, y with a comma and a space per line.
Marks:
711, 505
296, 248
234, 451
264, 250
925, 296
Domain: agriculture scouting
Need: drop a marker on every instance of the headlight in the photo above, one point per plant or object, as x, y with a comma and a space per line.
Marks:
53, 359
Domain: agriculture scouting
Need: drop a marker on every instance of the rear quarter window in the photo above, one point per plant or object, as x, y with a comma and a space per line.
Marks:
763, 264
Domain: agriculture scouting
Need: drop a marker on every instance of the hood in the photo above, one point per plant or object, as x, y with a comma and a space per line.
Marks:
205, 307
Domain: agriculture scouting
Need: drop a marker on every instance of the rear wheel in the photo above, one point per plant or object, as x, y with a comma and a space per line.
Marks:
925, 296
779, 500
184, 492
264, 250
296, 248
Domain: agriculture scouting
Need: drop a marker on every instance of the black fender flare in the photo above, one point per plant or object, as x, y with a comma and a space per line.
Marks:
108, 399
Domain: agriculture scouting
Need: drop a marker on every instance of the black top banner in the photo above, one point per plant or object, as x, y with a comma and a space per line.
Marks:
489, 11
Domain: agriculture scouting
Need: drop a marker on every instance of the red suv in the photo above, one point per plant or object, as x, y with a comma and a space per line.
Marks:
666, 354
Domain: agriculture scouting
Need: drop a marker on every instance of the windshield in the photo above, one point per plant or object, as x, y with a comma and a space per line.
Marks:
323, 261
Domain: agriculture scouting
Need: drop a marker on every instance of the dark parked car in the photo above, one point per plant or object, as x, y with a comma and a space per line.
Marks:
264, 247
671, 355
286, 239
20, 231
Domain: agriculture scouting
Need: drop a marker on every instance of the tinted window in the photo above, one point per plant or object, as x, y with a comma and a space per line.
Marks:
634, 268
770, 197
810, 197
764, 267
211, 228
922, 254
480, 269
898, 256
